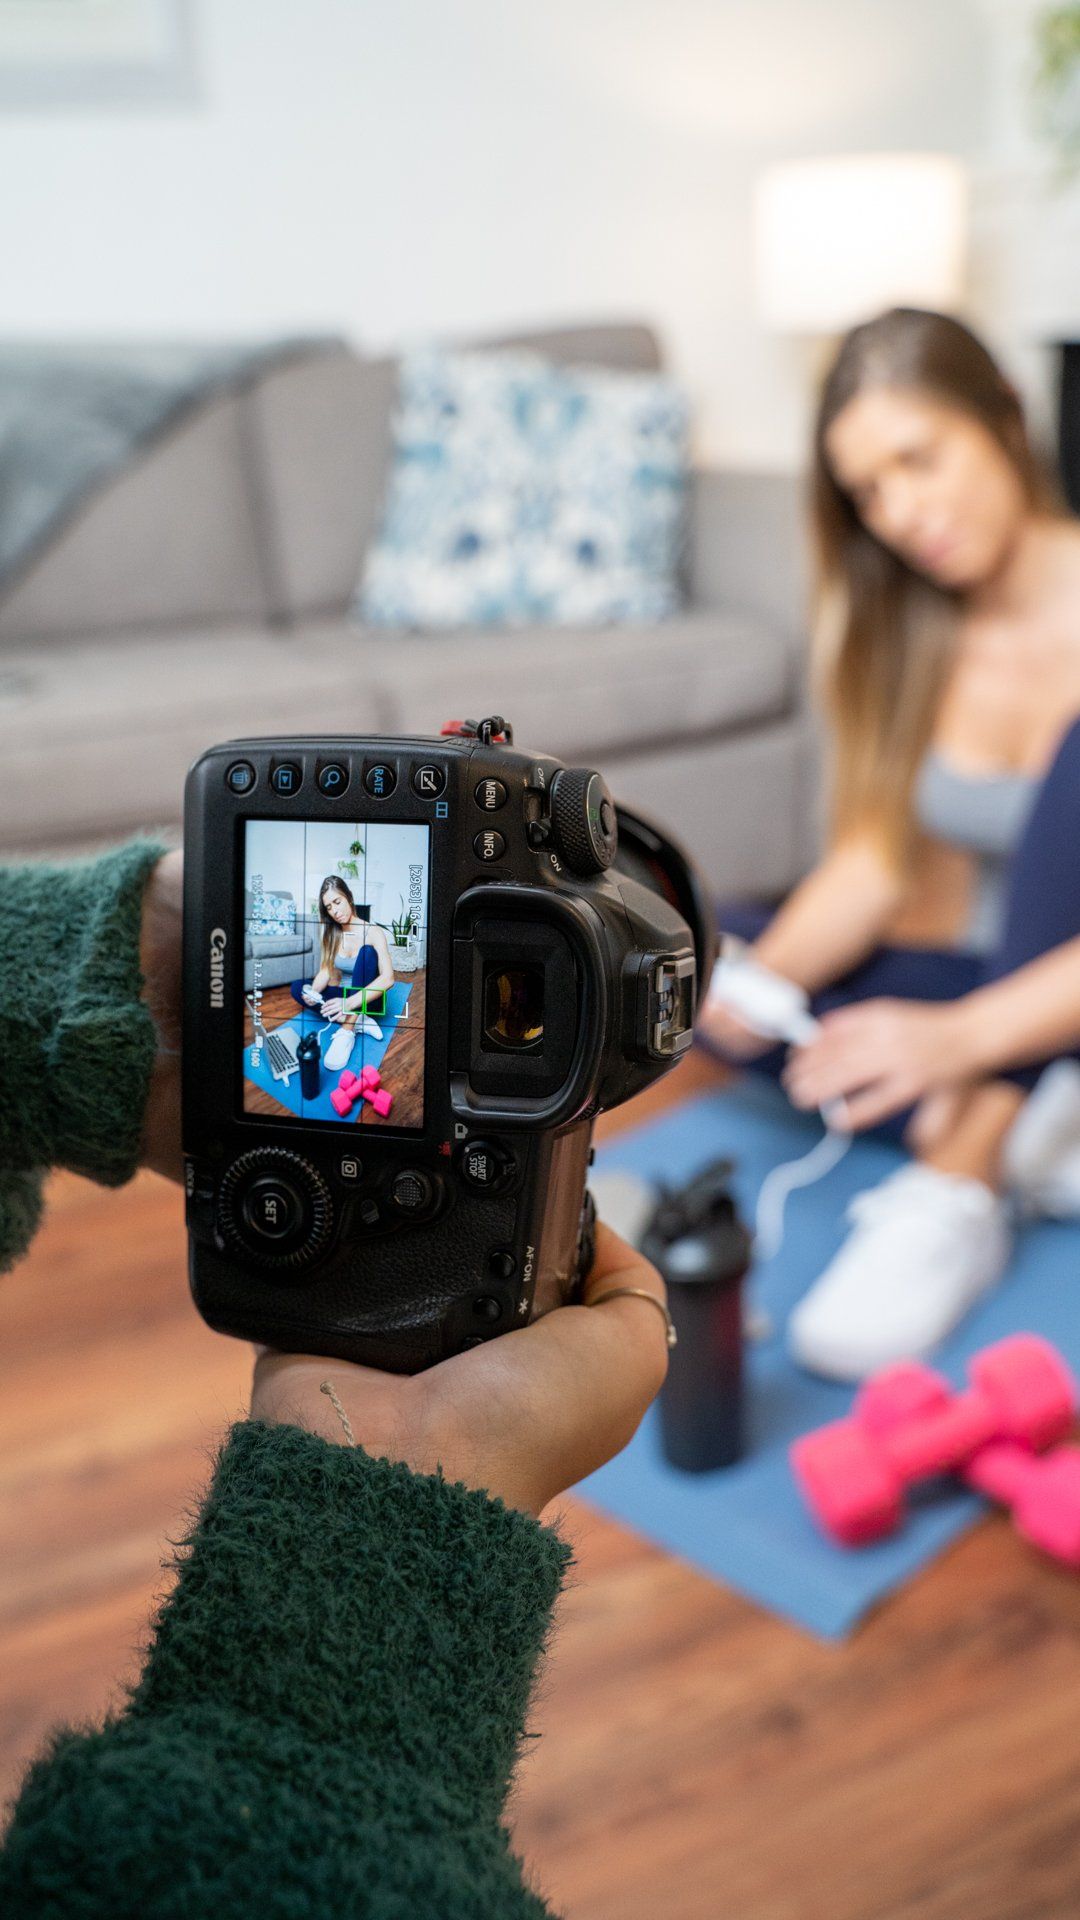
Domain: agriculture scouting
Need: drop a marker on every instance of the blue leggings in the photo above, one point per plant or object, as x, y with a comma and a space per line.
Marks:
365, 968
1042, 911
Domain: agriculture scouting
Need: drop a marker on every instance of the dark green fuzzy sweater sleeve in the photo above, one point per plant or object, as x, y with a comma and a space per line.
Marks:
77, 1043
328, 1716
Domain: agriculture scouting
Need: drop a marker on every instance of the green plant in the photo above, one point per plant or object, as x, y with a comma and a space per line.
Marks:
402, 928
1056, 81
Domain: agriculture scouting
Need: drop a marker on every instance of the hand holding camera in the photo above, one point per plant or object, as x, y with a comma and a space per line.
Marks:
585, 1379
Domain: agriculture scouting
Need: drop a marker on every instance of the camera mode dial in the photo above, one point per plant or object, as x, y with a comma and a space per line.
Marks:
583, 824
275, 1208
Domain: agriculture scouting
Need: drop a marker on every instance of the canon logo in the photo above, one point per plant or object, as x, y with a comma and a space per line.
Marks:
217, 967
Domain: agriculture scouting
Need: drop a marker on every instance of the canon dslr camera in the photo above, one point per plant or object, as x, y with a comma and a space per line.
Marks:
414, 972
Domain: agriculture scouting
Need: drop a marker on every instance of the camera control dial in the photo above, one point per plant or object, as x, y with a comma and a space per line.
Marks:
275, 1208
583, 824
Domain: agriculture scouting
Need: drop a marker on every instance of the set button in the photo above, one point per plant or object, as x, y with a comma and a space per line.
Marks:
275, 1207
272, 1208
489, 845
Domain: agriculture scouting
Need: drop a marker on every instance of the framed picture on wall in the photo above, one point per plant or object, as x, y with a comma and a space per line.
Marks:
95, 53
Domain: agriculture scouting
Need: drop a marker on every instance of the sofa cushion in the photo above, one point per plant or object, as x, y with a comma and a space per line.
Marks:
584, 692
522, 491
96, 735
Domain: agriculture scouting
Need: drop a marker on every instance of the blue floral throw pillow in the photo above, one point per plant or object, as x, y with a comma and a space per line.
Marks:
524, 492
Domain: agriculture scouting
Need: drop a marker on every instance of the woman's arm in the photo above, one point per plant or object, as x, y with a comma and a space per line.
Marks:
329, 1713
828, 924
834, 918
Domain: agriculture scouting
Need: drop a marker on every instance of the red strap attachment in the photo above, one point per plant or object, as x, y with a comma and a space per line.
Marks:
470, 729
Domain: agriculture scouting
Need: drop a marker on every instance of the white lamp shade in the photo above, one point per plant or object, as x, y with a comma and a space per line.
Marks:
837, 240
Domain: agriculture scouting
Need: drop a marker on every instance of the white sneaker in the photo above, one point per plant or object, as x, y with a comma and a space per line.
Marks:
339, 1052
924, 1247
1041, 1158
369, 1026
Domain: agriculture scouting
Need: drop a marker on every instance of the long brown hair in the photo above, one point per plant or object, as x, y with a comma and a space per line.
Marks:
330, 928
884, 635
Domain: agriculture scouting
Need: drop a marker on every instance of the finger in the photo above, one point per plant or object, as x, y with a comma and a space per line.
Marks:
810, 1087
871, 1105
586, 1373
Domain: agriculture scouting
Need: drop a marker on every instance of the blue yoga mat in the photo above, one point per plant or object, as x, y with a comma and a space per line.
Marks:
746, 1524
366, 1053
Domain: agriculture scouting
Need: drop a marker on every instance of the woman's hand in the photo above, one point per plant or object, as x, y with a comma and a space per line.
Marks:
522, 1417
309, 995
333, 1009
880, 1057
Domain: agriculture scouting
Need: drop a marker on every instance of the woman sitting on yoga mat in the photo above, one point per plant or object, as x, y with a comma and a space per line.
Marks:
947, 651
352, 946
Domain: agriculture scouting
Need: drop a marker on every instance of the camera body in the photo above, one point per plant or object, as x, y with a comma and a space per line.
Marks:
453, 905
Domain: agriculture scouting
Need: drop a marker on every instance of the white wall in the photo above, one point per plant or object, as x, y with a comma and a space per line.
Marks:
459, 166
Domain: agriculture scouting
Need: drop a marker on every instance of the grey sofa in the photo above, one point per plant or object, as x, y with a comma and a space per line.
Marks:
203, 593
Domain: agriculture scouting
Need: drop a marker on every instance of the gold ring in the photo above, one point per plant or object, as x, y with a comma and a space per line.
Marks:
642, 1293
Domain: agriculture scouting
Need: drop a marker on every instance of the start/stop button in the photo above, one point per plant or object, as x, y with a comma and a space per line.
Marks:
485, 1167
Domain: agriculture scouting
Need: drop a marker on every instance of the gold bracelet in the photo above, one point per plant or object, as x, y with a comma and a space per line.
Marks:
642, 1293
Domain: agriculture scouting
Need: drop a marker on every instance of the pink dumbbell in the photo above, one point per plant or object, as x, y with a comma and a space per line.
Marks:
854, 1475
365, 1086
1041, 1491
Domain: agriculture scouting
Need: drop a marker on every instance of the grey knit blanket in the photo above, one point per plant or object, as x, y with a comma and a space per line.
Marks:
72, 415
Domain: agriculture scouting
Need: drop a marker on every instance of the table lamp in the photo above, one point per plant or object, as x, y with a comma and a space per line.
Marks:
839, 239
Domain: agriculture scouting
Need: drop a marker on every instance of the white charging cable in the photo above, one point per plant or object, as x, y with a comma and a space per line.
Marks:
777, 1009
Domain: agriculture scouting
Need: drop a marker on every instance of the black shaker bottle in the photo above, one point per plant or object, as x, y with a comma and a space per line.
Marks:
309, 1059
702, 1248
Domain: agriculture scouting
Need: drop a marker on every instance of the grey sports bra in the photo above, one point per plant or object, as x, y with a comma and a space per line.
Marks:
984, 814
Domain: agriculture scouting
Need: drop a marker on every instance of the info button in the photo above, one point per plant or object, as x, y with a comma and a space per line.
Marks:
489, 845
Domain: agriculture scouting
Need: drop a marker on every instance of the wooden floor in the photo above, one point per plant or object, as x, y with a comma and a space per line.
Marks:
699, 1758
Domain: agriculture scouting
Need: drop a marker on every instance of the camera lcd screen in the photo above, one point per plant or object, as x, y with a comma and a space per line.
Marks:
335, 971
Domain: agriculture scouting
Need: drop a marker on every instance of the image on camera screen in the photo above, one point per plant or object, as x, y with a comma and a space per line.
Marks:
335, 971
